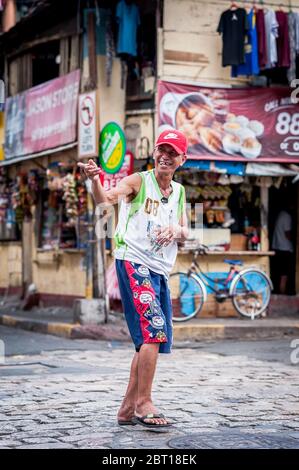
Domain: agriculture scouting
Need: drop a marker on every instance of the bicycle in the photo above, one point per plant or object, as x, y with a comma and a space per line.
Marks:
249, 289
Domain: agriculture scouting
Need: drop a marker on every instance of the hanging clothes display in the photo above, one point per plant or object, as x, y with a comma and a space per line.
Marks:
110, 50
251, 66
291, 73
261, 38
283, 42
271, 30
233, 26
297, 31
127, 16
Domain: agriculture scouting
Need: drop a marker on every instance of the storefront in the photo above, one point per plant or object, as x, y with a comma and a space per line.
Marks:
234, 216
242, 147
43, 235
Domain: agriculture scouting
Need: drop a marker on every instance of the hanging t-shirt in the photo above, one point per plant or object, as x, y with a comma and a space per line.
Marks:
297, 31
283, 42
271, 28
261, 38
251, 66
127, 15
291, 73
233, 26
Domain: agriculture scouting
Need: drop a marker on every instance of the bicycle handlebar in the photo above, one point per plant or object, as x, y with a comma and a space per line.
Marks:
201, 250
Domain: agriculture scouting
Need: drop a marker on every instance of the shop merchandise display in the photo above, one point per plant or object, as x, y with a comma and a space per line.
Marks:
218, 201
18, 196
259, 39
7, 214
64, 203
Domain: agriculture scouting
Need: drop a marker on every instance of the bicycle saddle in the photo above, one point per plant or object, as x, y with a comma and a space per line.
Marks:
234, 262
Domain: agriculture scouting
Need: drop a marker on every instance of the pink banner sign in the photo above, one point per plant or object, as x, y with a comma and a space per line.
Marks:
42, 117
236, 124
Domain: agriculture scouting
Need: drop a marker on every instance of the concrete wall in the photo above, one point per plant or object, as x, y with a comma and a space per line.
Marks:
10, 264
111, 98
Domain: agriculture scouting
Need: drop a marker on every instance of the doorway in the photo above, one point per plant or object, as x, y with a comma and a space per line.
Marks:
283, 199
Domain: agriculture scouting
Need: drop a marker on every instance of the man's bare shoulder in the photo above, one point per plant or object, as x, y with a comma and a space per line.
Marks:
128, 188
134, 181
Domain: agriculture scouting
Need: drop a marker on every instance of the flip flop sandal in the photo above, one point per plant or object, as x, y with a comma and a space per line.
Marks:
126, 423
141, 420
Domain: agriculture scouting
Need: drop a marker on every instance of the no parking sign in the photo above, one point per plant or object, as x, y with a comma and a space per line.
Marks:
87, 125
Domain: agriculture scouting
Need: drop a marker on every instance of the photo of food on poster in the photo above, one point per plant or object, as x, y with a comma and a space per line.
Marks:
260, 124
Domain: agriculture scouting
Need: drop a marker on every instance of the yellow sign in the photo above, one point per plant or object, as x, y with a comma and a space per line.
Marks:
112, 148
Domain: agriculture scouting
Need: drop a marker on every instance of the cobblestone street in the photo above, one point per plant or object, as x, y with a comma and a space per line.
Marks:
58, 393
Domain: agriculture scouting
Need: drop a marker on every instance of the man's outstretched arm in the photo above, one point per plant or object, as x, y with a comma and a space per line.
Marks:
126, 188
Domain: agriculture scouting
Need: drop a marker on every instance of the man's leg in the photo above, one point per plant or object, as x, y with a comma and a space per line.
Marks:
127, 409
147, 362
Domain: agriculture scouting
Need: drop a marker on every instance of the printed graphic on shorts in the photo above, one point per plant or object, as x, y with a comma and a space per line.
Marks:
151, 233
155, 320
146, 282
152, 319
143, 270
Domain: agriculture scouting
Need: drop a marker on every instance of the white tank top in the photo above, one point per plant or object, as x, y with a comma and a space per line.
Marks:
137, 221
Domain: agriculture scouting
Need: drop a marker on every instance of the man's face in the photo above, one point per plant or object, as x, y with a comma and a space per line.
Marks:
167, 159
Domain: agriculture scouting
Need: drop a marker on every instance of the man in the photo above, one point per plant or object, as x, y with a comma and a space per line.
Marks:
283, 246
152, 219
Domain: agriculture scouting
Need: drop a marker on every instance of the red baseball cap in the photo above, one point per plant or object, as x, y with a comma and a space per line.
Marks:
175, 138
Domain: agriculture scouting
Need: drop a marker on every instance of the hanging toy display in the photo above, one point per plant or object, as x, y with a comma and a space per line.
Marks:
16, 201
33, 185
71, 199
4, 195
82, 195
82, 200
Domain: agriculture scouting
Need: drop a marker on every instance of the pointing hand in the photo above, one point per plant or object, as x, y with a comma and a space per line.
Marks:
90, 169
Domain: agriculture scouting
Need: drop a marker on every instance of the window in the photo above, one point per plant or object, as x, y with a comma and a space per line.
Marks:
45, 62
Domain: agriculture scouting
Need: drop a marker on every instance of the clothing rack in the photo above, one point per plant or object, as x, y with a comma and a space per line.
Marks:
259, 4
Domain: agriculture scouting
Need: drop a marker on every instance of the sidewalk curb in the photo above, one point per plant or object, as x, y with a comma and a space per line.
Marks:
219, 331
39, 326
107, 332
256, 329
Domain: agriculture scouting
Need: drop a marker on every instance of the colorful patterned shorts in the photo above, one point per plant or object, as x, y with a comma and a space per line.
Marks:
147, 305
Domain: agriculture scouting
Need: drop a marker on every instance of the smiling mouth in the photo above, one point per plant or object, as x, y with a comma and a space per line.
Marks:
164, 163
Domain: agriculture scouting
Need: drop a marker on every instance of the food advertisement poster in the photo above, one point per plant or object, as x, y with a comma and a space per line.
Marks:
236, 124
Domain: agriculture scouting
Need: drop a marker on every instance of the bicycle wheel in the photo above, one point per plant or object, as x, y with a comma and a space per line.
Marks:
187, 296
251, 294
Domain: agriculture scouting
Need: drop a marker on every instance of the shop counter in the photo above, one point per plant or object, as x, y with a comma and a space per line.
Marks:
230, 253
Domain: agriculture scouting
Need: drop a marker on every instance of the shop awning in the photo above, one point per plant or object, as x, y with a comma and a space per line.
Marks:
242, 169
230, 168
271, 169
11, 161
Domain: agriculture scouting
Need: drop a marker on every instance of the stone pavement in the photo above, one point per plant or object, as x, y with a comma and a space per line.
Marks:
221, 395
